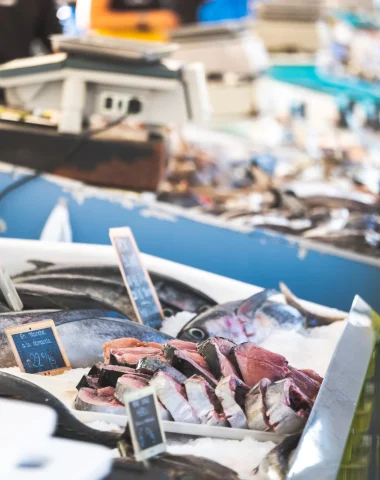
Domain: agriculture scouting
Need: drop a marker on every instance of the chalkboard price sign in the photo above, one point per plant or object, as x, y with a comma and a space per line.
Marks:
145, 424
37, 348
136, 278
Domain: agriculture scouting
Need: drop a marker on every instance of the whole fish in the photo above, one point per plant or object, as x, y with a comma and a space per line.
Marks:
45, 297
83, 336
276, 464
68, 426
239, 321
108, 291
174, 295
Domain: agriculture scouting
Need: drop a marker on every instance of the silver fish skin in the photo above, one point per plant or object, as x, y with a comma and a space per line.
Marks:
255, 407
231, 320
172, 395
83, 339
276, 464
227, 391
152, 365
201, 397
129, 383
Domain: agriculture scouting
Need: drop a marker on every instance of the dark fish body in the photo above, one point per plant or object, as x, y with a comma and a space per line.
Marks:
68, 426
276, 464
108, 291
83, 339
173, 294
44, 297
234, 321
109, 375
216, 352
151, 365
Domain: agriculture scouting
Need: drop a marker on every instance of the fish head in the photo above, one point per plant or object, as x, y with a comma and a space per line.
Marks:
220, 321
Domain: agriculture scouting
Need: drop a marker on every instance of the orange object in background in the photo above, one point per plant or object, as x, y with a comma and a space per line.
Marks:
136, 24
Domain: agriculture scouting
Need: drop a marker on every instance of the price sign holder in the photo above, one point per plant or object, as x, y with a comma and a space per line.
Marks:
136, 278
145, 423
37, 348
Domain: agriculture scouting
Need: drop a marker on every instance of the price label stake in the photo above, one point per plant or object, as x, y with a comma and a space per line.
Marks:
37, 348
145, 424
136, 278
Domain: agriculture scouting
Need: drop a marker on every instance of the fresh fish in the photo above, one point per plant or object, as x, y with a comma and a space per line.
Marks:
120, 343
255, 363
87, 381
255, 407
90, 400
129, 357
216, 351
152, 365
189, 363
233, 321
172, 395
231, 392
203, 399
170, 467
316, 315
173, 294
45, 297
109, 374
273, 316
276, 464
129, 383
110, 292
83, 338
68, 426
179, 296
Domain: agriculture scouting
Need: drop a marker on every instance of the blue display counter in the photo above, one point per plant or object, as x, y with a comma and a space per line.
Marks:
318, 273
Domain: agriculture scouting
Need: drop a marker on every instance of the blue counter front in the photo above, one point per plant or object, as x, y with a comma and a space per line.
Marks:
317, 273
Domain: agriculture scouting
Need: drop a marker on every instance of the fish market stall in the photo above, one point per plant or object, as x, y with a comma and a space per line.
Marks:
317, 272
296, 344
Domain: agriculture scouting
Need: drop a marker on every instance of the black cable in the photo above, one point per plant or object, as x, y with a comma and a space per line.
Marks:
133, 107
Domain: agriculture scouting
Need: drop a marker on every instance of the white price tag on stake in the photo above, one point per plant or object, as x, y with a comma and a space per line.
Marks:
145, 424
10, 294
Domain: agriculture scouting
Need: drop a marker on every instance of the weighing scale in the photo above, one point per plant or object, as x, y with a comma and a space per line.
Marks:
106, 76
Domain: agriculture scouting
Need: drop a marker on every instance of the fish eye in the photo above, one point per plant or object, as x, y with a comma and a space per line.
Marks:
197, 333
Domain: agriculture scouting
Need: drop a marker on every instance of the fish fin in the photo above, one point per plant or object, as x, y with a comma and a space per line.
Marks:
250, 306
40, 263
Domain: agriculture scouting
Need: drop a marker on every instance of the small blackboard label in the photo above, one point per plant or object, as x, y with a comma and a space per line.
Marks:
136, 278
37, 348
145, 424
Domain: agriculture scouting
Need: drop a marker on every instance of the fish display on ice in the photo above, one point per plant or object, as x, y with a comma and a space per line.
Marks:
265, 393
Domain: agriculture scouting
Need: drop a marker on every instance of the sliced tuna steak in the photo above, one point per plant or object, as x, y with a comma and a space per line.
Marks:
181, 345
313, 375
255, 408
110, 374
125, 343
308, 386
89, 400
185, 362
151, 365
129, 383
231, 392
201, 397
287, 409
172, 395
129, 357
255, 363
215, 351
88, 382
217, 420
